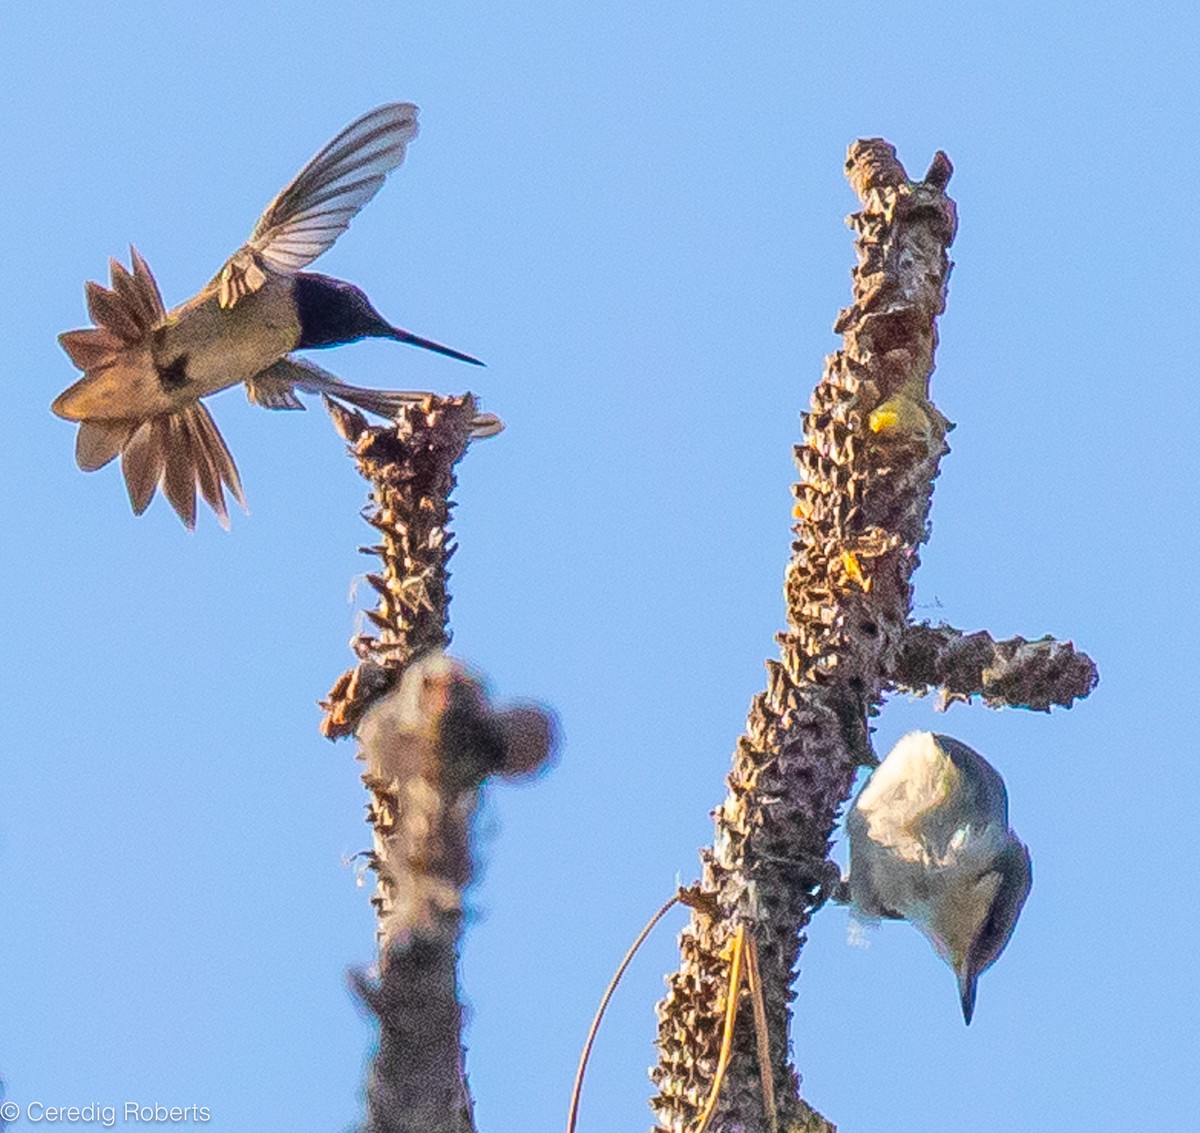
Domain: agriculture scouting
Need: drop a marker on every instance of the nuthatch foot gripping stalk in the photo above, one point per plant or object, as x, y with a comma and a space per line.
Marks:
930, 843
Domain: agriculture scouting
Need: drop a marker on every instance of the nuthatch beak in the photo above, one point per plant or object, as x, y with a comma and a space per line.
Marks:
930, 843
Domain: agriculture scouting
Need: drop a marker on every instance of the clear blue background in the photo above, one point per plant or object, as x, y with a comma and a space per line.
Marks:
633, 212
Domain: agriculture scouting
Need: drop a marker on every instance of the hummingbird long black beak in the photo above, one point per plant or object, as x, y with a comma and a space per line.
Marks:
145, 369
333, 312
427, 344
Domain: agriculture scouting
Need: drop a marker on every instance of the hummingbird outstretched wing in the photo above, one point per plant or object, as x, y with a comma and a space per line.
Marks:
317, 207
276, 386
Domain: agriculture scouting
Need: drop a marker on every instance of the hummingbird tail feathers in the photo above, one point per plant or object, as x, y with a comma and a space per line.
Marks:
175, 451
98, 442
124, 315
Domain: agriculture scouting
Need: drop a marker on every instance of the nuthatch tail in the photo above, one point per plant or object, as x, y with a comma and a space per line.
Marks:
930, 843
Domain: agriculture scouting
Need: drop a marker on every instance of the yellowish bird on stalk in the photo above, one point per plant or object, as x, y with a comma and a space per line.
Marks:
146, 368
907, 416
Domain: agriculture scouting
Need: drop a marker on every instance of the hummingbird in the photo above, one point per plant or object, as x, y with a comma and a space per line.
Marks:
146, 368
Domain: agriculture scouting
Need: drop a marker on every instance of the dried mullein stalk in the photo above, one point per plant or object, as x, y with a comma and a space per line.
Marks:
429, 737
872, 444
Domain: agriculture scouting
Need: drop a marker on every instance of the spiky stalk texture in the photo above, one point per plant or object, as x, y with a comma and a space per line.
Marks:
429, 738
416, 1081
871, 448
1007, 674
411, 470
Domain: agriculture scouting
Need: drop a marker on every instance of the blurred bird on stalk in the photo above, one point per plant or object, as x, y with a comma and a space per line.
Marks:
146, 368
908, 416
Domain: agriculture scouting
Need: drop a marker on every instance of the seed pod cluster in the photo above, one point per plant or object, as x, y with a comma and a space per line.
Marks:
1015, 673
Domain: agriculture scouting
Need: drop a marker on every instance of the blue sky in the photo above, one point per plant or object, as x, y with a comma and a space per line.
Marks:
633, 212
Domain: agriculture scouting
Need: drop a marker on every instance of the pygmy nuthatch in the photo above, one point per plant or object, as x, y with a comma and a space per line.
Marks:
930, 843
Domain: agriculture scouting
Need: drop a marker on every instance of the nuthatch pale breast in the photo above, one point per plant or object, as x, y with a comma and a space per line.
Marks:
930, 843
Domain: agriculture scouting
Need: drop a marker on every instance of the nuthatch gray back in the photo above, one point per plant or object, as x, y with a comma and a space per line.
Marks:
930, 843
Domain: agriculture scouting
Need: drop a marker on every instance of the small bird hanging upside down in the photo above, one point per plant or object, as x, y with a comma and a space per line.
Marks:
146, 368
930, 843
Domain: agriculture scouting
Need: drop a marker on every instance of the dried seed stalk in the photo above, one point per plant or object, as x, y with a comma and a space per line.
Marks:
1006, 674
429, 738
401, 691
871, 449
411, 470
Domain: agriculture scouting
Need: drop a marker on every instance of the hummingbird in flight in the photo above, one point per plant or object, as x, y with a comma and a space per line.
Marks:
145, 369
